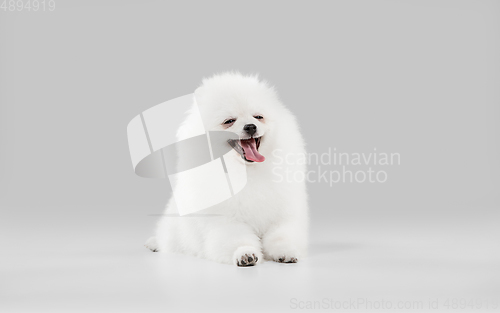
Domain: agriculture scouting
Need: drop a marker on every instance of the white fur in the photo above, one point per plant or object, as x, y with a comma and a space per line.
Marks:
267, 218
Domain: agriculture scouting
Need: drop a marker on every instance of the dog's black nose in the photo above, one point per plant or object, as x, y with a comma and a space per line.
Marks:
250, 129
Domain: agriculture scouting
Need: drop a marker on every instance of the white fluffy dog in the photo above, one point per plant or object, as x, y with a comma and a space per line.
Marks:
268, 219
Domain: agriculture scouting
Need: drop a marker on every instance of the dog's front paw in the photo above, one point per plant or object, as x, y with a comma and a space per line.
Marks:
247, 256
281, 252
247, 260
286, 259
151, 244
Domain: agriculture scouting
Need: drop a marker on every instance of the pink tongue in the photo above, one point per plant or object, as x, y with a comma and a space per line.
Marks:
251, 152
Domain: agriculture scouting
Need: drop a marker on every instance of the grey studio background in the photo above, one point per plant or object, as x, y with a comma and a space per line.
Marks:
418, 78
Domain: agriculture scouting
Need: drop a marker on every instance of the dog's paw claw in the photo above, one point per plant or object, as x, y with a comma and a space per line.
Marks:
247, 260
151, 244
285, 259
246, 256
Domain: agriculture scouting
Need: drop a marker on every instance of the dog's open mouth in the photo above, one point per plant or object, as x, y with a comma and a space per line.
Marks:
248, 149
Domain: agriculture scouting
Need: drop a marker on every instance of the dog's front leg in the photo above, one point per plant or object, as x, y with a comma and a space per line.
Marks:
230, 241
286, 242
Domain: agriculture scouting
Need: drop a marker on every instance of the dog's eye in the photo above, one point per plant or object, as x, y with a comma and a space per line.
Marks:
229, 121
259, 117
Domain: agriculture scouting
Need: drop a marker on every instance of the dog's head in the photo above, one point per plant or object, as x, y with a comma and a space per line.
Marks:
243, 105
